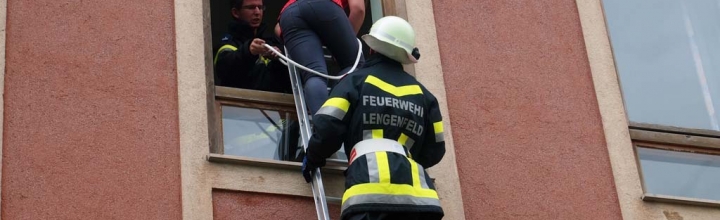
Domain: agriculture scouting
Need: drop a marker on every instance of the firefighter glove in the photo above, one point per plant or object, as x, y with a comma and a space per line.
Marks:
308, 169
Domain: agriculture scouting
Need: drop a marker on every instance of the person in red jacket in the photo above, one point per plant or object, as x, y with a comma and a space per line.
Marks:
307, 25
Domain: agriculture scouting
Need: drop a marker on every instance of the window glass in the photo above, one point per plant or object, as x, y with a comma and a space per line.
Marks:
259, 133
262, 133
376, 10
667, 54
680, 174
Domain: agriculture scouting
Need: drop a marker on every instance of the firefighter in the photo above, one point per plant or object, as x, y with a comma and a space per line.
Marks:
392, 130
242, 61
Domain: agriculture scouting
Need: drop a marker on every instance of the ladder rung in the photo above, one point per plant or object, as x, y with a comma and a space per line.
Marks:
336, 162
333, 200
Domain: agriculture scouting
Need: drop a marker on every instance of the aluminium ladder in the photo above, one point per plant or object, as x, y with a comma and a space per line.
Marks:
317, 185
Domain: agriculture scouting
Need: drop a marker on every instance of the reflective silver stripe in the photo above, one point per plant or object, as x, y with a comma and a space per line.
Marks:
388, 199
409, 143
367, 134
373, 172
423, 181
332, 111
376, 145
439, 137
393, 39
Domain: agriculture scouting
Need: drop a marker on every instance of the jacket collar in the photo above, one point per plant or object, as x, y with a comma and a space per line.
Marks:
379, 59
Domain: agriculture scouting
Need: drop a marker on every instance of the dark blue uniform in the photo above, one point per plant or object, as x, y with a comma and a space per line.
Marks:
382, 102
236, 67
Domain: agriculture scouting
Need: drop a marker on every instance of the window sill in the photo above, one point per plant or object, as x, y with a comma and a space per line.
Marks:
228, 159
648, 197
255, 96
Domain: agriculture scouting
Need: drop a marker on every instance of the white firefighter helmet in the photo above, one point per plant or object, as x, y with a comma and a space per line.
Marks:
393, 37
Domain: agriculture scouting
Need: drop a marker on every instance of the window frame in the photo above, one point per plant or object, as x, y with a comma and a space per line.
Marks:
246, 98
672, 138
254, 98
654, 197
663, 137
674, 135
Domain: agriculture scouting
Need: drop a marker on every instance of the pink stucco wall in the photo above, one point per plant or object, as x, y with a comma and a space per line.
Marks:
91, 112
247, 205
528, 135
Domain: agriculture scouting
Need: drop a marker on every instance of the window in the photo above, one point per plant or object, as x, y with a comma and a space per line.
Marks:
261, 126
667, 55
254, 128
679, 173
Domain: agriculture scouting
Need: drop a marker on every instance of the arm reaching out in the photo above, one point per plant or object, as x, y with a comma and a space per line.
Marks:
357, 13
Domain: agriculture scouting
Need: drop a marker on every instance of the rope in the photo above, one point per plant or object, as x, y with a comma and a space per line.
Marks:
285, 60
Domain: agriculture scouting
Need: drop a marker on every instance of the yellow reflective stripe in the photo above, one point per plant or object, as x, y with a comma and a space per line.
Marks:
265, 61
388, 189
403, 139
415, 176
438, 127
377, 134
396, 91
228, 46
340, 103
383, 167
224, 47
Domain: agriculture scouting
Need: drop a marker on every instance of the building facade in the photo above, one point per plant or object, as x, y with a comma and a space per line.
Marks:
110, 113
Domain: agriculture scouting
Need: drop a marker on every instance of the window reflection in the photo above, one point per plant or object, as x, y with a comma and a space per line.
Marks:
259, 133
667, 54
673, 173
263, 133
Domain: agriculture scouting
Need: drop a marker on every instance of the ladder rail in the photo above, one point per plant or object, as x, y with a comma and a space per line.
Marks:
317, 187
